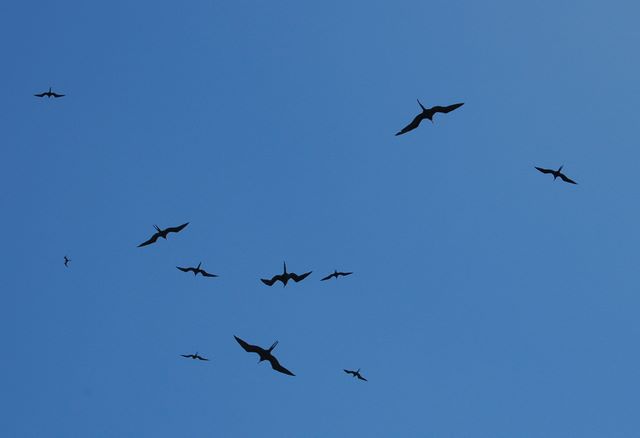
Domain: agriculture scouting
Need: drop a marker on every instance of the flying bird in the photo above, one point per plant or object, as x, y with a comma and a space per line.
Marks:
428, 113
556, 174
163, 233
197, 271
264, 355
356, 374
194, 356
66, 261
336, 274
285, 277
49, 94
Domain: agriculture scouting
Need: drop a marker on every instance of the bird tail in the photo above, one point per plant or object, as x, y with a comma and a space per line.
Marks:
156, 227
421, 106
273, 346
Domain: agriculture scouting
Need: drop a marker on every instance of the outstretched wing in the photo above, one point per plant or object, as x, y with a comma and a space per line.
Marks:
350, 372
151, 240
567, 179
361, 378
40, 95
298, 278
206, 274
187, 355
276, 366
272, 281
413, 125
176, 229
57, 95
543, 170
248, 347
344, 274
185, 269
446, 109
202, 358
327, 277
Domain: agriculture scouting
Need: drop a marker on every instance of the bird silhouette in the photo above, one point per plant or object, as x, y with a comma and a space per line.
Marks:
264, 355
556, 174
163, 233
194, 356
197, 271
336, 274
356, 374
49, 94
427, 113
66, 261
285, 277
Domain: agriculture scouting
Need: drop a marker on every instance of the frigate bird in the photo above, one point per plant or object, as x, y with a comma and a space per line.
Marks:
356, 374
264, 355
163, 233
194, 356
197, 271
336, 274
556, 174
428, 113
49, 94
285, 277
66, 261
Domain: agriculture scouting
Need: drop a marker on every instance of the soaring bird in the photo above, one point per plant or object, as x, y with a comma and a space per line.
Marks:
336, 274
264, 355
66, 261
428, 113
197, 271
49, 94
556, 174
285, 277
356, 374
194, 356
163, 233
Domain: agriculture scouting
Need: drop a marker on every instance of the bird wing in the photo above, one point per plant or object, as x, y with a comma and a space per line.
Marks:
567, 179
248, 347
298, 278
350, 372
327, 277
413, 125
446, 109
151, 240
344, 274
176, 229
202, 358
276, 366
186, 355
361, 378
57, 95
206, 274
185, 269
272, 281
543, 170
40, 95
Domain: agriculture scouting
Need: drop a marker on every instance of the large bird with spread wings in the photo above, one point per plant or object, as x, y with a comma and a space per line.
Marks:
163, 233
197, 271
264, 355
556, 174
285, 277
428, 113
49, 94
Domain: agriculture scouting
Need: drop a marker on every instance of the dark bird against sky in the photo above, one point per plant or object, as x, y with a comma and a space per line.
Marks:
356, 374
428, 113
66, 261
336, 274
163, 233
556, 174
194, 356
197, 271
49, 94
285, 277
264, 355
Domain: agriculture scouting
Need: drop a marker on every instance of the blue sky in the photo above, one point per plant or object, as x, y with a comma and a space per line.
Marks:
487, 299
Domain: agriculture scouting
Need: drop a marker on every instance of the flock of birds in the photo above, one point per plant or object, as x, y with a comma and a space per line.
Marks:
266, 354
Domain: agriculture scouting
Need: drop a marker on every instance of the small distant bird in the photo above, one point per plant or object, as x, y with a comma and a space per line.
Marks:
163, 233
197, 271
356, 374
49, 94
556, 174
336, 274
264, 355
285, 277
194, 356
66, 261
428, 113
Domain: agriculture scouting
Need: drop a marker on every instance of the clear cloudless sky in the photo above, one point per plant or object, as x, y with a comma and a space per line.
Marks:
487, 300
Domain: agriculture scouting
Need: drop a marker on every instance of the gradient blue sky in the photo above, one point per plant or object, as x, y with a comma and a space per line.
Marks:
487, 300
